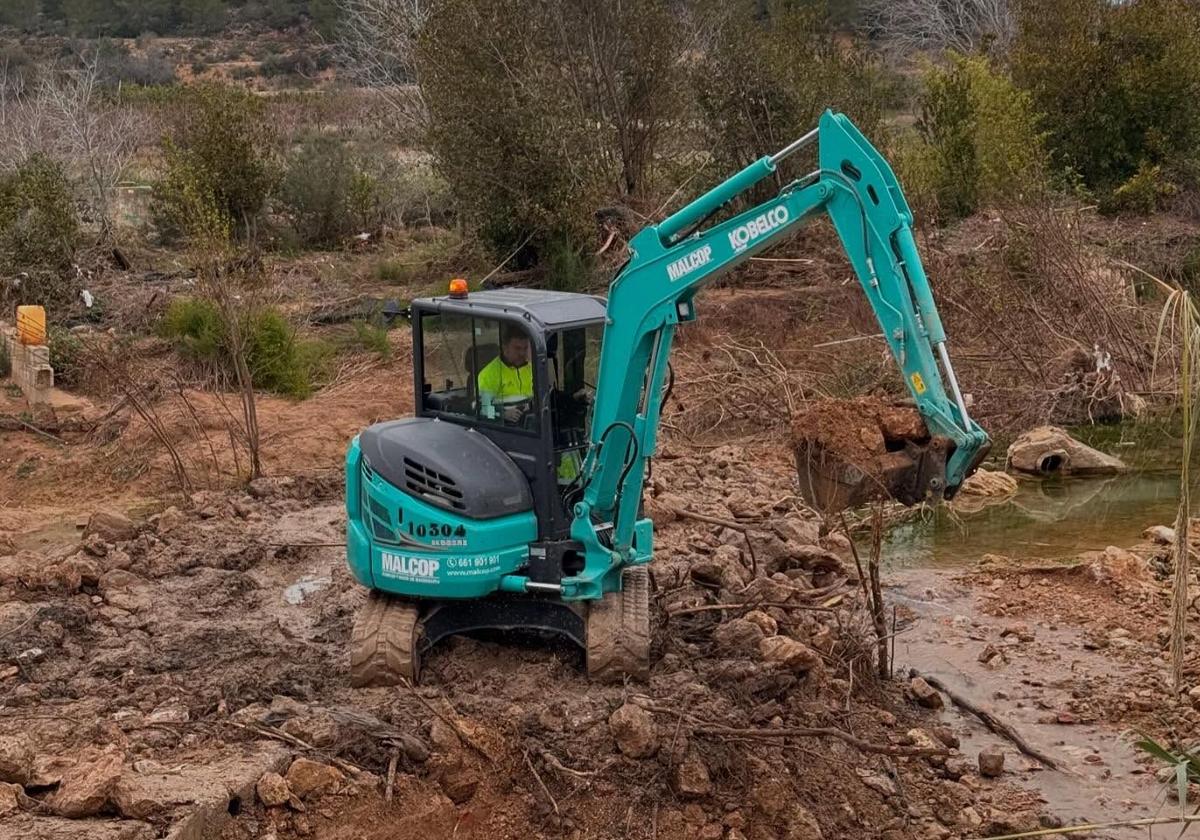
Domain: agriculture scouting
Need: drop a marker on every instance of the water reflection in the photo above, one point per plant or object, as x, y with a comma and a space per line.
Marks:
1044, 519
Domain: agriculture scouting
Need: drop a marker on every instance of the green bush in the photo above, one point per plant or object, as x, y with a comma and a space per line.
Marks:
315, 192
39, 232
278, 359
775, 68
540, 129
1142, 194
1119, 85
367, 337
66, 357
978, 140
219, 167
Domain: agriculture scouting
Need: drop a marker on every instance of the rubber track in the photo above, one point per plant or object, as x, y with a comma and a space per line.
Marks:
618, 630
383, 642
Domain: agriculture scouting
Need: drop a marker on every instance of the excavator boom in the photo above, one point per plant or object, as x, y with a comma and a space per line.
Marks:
670, 262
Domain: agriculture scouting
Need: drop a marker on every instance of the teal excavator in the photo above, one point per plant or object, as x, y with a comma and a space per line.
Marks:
512, 499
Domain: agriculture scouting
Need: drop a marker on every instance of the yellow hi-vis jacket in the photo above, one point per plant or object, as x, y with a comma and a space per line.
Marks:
504, 382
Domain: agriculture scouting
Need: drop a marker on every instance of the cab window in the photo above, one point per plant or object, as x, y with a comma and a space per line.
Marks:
479, 370
574, 363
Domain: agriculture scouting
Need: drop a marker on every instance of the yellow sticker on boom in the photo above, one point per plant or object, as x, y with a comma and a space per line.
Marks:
918, 383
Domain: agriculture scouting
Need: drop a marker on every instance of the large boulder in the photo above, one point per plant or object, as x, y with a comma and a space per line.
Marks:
1049, 450
111, 526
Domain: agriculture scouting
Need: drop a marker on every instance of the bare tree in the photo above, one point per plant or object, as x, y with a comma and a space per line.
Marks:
64, 117
376, 44
97, 140
963, 25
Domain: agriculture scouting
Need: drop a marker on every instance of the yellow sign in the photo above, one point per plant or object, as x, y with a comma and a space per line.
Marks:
918, 383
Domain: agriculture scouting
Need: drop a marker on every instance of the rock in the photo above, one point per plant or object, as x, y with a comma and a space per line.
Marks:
86, 787
459, 783
969, 817
988, 653
312, 778
1049, 450
925, 694
169, 520
16, 759
10, 801
877, 782
792, 654
273, 790
632, 727
47, 771
1160, 534
206, 792
1118, 566
87, 568
991, 762
983, 488
691, 777
1019, 631
169, 713
443, 736
111, 527
765, 623
955, 768
738, 635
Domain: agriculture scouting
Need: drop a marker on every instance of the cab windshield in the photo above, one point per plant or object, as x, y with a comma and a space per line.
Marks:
479, 370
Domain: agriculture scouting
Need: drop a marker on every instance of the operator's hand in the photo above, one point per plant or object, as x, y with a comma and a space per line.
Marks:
583, 395
513, 413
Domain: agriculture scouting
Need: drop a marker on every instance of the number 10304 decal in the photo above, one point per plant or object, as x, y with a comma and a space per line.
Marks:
440, 533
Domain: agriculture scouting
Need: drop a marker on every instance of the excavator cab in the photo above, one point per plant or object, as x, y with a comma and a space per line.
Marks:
518, 367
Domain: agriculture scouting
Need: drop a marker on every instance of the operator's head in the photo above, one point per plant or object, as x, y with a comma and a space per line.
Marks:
514, 345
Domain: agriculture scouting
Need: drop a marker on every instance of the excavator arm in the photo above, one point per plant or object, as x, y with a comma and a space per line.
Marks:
670, 262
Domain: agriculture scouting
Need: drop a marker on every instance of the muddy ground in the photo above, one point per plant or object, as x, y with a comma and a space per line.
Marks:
157, 670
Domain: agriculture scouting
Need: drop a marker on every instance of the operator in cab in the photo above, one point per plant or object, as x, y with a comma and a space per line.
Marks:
507, 380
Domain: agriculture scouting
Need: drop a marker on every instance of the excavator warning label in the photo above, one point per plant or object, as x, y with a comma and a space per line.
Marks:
918, 383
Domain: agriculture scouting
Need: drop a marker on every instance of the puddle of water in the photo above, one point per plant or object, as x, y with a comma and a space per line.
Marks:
1045, 519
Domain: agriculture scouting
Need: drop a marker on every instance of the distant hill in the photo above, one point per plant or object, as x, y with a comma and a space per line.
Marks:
131, 18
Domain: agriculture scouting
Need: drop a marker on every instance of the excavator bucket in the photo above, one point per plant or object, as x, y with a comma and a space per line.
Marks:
850, 452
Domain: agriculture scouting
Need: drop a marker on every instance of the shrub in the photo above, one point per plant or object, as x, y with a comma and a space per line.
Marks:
368, 337
221, 157
66, 357
1142, 194
39, 231
117, 67
278, 359
532, 126
978, 140
770, 76
333, 190
1118, 82
315, 192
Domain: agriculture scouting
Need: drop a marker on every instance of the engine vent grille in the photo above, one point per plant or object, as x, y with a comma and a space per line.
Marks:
431, 485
